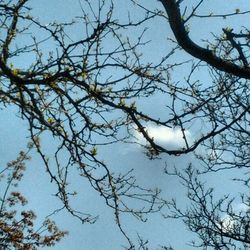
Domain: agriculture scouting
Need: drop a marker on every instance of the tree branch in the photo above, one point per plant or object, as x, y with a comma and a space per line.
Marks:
181, 35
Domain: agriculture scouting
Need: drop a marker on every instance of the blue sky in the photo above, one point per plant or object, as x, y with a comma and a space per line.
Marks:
104, 234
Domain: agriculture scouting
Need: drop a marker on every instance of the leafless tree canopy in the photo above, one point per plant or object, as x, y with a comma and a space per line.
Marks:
89, 91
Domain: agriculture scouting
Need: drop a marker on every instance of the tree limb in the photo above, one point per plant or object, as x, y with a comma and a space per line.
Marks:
181, 35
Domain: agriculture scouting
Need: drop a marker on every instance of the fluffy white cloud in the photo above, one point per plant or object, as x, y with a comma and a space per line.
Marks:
229, 223
163, 135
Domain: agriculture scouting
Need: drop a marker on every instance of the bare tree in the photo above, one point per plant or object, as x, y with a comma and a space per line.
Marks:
218, 222
85, 94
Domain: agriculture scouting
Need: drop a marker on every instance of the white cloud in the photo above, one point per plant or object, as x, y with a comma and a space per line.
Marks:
229, 223
163, 135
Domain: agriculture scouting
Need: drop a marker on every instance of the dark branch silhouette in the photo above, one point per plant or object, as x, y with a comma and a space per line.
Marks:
98, 88
182, 36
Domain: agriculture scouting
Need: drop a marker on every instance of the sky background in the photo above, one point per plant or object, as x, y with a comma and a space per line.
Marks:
104, 234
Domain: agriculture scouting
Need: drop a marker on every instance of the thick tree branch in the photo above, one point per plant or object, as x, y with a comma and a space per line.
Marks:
181, 35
